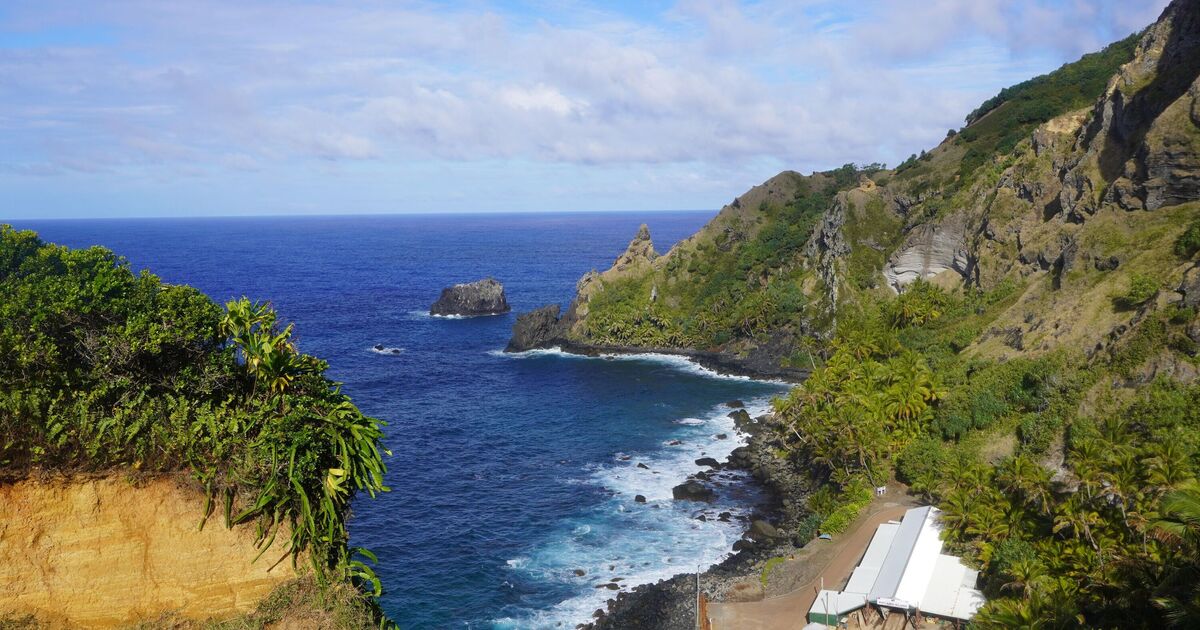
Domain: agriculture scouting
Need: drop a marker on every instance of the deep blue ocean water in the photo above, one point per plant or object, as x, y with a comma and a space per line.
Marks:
508, 473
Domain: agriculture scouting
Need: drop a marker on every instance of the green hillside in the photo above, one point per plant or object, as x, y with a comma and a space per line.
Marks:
1037, 375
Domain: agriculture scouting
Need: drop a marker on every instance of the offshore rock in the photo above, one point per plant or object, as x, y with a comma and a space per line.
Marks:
485, 297
692, 490
535, 329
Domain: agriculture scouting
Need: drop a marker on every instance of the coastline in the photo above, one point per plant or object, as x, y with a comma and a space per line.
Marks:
719, 362
670, 603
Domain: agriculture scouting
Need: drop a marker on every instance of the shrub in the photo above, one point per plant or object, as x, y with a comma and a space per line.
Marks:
108, 369
1141, 289
1037, 430
1188, 243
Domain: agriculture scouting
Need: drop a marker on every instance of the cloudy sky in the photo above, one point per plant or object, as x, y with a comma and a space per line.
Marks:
151, 108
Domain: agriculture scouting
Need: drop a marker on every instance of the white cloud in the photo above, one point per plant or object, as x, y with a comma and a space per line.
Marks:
710, 86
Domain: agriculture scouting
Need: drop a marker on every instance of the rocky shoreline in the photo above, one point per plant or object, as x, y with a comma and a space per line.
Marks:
778, 531
723, 363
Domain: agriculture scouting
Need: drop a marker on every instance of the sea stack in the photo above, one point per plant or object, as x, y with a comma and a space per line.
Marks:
484, 297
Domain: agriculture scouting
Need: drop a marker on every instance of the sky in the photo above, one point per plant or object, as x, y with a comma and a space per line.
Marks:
252, 107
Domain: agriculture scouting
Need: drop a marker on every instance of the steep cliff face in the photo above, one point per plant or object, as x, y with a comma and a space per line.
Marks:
106, 553
1060, 194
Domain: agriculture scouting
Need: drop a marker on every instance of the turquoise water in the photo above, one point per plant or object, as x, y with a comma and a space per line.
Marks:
509, 473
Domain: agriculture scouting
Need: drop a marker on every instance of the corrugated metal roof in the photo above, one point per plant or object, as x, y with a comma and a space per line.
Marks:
891, 571
833, 602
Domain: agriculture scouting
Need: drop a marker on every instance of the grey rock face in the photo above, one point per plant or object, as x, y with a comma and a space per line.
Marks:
1190, 287
928, 251
485, 297
536, 329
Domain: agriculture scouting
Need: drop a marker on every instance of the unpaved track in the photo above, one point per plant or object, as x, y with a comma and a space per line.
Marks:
788, 611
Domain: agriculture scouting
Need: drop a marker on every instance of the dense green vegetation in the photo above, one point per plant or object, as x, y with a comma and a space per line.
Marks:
734, 287
1110, 541
105, 369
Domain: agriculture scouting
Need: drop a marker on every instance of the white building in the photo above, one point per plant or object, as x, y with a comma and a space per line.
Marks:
904, 569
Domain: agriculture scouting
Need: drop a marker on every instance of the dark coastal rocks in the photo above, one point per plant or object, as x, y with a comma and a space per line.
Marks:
535, 329
484, 297
708, 461
637, 498
735, 404
693, 490
761, 530
667, 605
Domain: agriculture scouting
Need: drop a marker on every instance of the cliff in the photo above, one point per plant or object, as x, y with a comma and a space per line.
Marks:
109, 375
1046, 188
105, 552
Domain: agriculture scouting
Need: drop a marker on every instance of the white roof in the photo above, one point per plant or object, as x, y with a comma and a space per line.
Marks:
833, 602
922, 560
868, 569
951, 590
913, 572
895, 564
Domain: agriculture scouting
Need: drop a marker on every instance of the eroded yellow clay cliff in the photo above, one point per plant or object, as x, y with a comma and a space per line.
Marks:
103, 553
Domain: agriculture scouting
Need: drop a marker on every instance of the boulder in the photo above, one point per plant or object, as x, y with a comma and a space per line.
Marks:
639, 498
708, 461
1190, 287
692, 490
535, 329
735, 404
484, 297
743, 544
762, 531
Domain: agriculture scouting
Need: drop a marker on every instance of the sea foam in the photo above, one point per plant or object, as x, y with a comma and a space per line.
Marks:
621, 537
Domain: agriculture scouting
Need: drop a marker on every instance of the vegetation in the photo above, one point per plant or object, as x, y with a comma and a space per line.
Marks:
1049, 409
743, 283
996, 126
107, 369
1189, 242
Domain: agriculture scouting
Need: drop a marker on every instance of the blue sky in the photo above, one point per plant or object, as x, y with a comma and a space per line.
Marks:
149, 108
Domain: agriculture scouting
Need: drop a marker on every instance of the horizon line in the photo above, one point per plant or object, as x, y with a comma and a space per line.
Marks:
10, 220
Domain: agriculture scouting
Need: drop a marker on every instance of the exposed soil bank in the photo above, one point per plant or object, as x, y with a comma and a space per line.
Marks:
106, 552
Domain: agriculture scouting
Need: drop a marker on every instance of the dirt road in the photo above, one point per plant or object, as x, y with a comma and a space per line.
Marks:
837, 559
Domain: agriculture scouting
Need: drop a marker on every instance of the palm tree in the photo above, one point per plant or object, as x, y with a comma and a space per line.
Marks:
1179, 527
1076, 515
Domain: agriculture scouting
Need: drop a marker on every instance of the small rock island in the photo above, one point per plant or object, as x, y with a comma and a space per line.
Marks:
484, 297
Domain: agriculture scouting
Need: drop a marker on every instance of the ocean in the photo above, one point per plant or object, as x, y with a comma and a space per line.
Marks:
513, 477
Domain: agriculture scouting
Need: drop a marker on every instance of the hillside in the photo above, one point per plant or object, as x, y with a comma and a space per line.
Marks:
165, 460
1007, 323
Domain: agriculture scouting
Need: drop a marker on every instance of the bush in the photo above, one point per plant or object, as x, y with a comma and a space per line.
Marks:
921, 462
1188, 243
1141, 289
852, 503
109, 369
1037, 430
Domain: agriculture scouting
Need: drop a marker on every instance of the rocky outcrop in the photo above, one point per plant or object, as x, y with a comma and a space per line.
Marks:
692, 490
484, 297
536, 329
1142, 147
639, 251
104, 553
827, 247
929, 250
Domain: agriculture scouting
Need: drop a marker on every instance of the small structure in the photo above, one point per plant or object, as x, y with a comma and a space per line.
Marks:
904, 569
